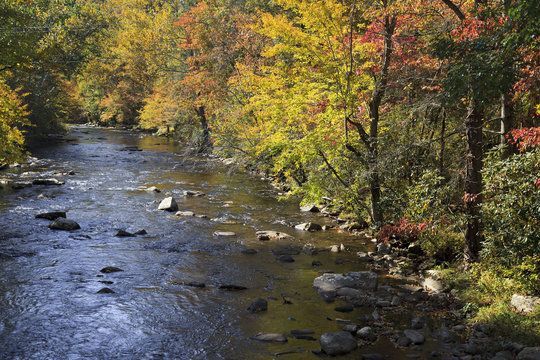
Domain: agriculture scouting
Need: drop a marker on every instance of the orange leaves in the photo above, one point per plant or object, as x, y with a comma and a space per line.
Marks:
472, 28
526, 138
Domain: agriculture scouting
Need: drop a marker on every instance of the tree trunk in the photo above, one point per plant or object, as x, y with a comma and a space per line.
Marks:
507, 120
473, 181
206, 145
442, 144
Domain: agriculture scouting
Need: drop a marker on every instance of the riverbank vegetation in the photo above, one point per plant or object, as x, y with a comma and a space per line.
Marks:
419, 117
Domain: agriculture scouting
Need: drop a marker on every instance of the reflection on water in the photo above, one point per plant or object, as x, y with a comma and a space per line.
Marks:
49, 308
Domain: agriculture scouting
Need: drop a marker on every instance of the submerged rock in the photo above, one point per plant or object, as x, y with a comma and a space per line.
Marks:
272, 235
51, 181
285, 258
309, 226
258, 305
51, 215
168, 204
141, 232
338, 343
270, 337
110, 269
249, 251
64, 224
232, 287
362, 280
344, 308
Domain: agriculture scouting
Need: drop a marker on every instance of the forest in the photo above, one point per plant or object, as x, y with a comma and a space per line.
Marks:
417, 121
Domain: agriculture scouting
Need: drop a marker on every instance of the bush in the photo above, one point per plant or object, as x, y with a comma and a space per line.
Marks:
13, 116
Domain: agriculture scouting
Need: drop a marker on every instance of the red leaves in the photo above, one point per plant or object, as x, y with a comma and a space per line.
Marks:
404, 230
472, 28
525, 138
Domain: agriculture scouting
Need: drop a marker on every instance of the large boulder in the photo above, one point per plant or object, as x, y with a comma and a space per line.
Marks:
338, 343
168, 204
64, 224
272, 235
529, 353
360, 280
525, 304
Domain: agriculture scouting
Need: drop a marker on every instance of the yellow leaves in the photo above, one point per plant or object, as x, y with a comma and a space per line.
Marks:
13, 116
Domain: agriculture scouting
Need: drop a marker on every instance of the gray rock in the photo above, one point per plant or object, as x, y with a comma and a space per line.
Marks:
352, 328
309, 208
153, 189
258, 306
168, 204
525, 304
51, 181
309, 226
529, 353
503, 355
417, 323
51, 215
403, 341
415, 336
366, 333
270, 337
310, 249
110, 269
105, 290
224, 233
432, 285
361, 280
185, 213
124, 233
338, 343
194, 193
344, 308
141, 232
272, 235
64, 224
285, 258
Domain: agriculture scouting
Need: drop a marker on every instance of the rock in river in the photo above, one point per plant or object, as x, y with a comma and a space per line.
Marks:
270, 337
309, 208
124, 233
168, 204
64, 224
285, 258
224, 233
338, 343
362, 280
51, 215
194, 193
272, 235
258, 306
232, 287
309, 226
51, 181
105, 290
110, 269
185, 213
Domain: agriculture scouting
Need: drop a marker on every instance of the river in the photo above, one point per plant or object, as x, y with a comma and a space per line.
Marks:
49, 305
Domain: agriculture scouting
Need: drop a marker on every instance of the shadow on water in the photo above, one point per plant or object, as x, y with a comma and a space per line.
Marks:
49, 308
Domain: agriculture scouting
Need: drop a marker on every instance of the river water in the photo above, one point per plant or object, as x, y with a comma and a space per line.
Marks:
49, 305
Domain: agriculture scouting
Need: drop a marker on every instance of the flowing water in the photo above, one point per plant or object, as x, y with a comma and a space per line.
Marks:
49, 305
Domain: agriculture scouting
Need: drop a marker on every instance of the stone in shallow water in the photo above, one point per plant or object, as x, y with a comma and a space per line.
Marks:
194, 193
344, 308
64, 224
362, 280
309, 208
141, 232
249, 251
110, 269
185, 213
366, 333
124, 233
51, 215
338, 343
258, 305
168, 204
50, 181
270, 337
309, 226
232, 287
272, 235
224, 233
153, 189
105, 290
285, 258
